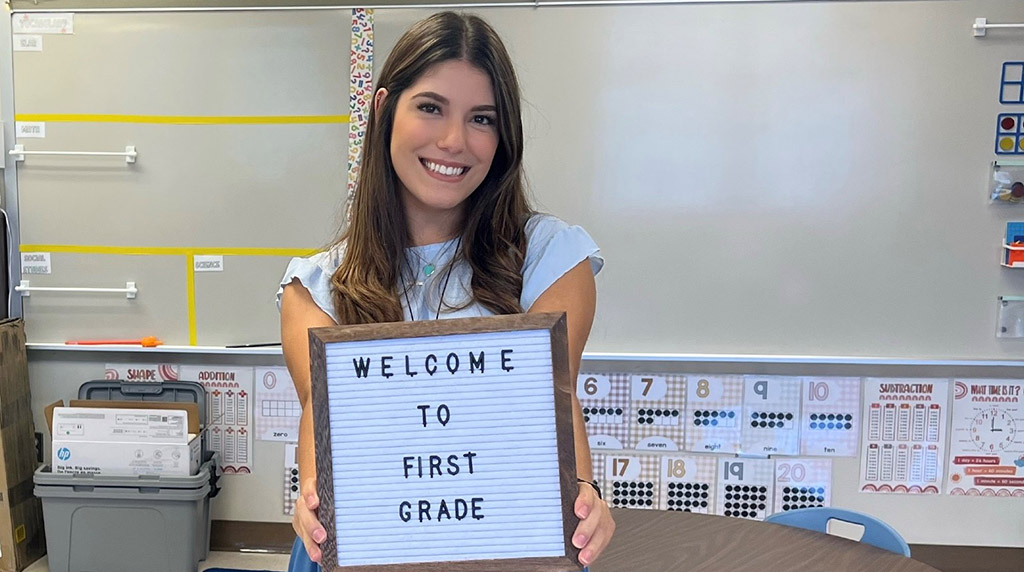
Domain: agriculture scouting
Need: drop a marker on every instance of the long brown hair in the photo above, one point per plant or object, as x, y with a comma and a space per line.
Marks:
366, 284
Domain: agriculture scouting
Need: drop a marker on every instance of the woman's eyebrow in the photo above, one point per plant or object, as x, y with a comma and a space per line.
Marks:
444, 101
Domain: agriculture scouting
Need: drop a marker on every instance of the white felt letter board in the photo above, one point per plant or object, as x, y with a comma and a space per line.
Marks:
445, 445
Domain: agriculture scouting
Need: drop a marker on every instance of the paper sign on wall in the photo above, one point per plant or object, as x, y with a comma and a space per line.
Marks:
714, 406
604, 400
418, 428
229, 413
28, 43
771, 415
831, 416
987, 441
657, 412
277, 405
43, 23
904, 435
35, 263
142, 372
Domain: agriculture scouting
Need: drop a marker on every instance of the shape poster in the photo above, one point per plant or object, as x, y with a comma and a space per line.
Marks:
904, 435
277, 409
987, 440
228, 413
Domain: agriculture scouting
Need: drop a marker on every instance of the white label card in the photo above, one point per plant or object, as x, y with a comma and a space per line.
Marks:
208, 263
30, 129
43, 23
28, 43
35, 262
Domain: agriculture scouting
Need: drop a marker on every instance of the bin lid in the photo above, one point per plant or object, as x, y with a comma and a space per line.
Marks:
165, 391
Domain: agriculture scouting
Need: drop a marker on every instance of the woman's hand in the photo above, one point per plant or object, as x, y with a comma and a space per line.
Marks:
305, 522
596, 525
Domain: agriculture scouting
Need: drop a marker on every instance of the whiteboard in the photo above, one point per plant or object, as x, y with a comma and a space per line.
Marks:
795, 179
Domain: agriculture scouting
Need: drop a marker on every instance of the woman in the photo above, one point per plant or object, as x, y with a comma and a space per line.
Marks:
441, 227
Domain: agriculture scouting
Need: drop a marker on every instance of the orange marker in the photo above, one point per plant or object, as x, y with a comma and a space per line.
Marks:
146, 342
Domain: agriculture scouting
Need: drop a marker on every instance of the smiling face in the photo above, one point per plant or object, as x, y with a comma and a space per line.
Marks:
443, 140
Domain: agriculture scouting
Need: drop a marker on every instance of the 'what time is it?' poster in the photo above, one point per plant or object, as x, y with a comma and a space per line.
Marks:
987, 442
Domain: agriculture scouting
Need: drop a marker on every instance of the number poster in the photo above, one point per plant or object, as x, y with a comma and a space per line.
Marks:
987, 440
657, 411
904, 435
605, 403
277, 408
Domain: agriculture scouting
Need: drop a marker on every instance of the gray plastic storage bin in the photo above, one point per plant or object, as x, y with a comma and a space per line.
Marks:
126, 524
142, 523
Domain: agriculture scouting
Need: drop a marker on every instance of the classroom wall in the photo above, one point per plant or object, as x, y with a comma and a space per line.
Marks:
815, 172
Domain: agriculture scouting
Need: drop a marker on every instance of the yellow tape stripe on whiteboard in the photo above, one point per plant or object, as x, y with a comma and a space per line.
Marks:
188, 253
181, 119
190, 294
165, 250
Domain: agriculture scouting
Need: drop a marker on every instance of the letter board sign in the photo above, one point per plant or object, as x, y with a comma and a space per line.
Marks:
445, 445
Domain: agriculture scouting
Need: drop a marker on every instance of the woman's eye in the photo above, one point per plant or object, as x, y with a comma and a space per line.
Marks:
428, 108
483, 119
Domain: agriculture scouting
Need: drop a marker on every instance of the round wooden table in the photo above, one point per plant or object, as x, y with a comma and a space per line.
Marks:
669, 541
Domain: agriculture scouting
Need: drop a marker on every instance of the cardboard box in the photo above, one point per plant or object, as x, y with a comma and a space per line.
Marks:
22, 541
136, 425
120, 441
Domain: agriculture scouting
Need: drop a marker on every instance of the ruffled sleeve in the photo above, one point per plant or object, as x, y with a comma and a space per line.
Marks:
315, 274
554, 247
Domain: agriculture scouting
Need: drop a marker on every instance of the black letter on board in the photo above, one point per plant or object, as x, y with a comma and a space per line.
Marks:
505, 360
426, 364
448, 362
362, 367
385, 366
473, 363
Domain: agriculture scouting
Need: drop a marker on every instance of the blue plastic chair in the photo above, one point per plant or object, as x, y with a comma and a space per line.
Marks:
876, 532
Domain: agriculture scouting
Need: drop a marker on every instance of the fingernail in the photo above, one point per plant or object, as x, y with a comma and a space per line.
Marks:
309, 499
584, 511
585, 557
579, 540
319, 536
315, 556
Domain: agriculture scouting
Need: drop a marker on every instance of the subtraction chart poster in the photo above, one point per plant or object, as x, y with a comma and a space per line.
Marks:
903, 444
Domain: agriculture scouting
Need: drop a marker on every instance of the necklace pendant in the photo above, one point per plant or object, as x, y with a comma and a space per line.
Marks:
428, 269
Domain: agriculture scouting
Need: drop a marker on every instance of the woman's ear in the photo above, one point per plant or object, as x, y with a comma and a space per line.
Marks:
378, 99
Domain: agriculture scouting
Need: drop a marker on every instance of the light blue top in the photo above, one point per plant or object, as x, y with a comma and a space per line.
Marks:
553, 248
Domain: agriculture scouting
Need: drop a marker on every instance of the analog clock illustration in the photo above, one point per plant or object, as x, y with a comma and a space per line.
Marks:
993, 430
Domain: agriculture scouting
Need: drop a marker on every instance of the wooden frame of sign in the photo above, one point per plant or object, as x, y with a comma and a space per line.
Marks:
445, 445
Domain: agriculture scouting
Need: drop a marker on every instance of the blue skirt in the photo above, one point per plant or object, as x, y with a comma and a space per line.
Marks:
300, 561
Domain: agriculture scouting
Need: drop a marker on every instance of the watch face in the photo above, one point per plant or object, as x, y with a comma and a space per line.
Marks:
993, 430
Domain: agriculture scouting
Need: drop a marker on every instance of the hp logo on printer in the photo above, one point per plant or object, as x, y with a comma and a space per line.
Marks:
63, 453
